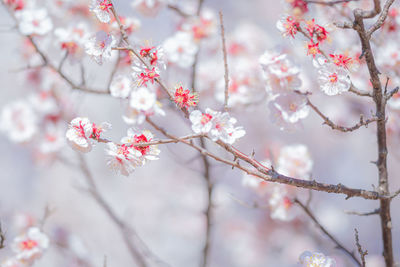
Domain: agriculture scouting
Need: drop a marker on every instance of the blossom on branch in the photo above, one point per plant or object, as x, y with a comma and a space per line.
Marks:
122, 158
333, 80
102, 10
34, 21
134, 138
180, 49
288, 25
184, 98
120, 86
219, 126
30, 245
99, 46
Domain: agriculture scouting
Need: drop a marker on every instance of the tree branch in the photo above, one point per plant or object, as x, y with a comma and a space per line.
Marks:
338, 244
362, 252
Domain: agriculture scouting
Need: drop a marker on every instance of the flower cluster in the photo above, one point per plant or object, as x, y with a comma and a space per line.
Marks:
73, 40
34, 21
28, 247
82, 133
99, 46
125, 157
286, 105
218, 125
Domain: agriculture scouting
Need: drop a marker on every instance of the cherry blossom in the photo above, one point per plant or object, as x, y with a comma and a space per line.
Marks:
293, 107
135, 137
120, 86
220, 126
142, 99
255, 183
102, 10
223, 128
280, 204
79, 133
53, 139
131, 24
201, 27
180, 49
72, 39
295, 161
184, 98
19, 121
34, 21
30, 245
201, 122
288, 25
99, 46
316, 259
122, 158
333, 80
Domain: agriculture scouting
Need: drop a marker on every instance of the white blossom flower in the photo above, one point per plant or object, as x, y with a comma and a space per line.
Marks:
120, 86
53, 139
295, 161
34, 21
102, 10
180, 49
122, 158
19, 121
44, 103
223, 128
79, 133
280, 204
293, 107
148, 7
202, 26
142, 99
135, 116
30, 245
72, 40
147, 152
99, 46
201, 122
333, 80
316, 259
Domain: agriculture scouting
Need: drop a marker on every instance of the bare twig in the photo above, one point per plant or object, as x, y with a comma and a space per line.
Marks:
47, 213
2, 237
329, 3
374, 212
354, 90
334, 126
381, 19
178, 10
362, 252
226, 74
338, 244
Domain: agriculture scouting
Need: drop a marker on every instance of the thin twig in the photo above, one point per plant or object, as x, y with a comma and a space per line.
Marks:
374, 212
329, 3
362, 252
340, 128
2, 237
226, 74
338, 244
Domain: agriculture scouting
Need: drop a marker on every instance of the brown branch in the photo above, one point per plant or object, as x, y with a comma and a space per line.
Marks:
381, 19
156, 142
362, 252
179, 11
354, 90
271, 175
334, 126
2, 237
380, 104
338, 244
226, 74
329, 3
209, 211
374, 212
372, 13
